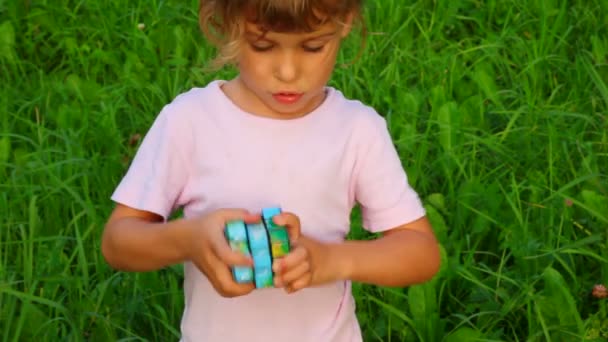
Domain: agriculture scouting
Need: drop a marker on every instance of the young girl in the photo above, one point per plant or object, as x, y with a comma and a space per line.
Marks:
276, 135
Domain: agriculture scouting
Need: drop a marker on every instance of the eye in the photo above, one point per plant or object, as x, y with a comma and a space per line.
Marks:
261, 47
313, 48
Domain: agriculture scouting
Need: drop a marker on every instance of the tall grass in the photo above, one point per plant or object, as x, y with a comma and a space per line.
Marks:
498, 109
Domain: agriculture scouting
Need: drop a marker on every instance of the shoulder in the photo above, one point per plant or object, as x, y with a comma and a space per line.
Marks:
360, 117
190, 106
193, 101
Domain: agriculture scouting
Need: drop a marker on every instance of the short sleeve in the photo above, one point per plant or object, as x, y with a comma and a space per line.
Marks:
159, 170
381, 187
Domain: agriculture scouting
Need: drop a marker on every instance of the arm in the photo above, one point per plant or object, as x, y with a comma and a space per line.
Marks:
403, 256
135, 240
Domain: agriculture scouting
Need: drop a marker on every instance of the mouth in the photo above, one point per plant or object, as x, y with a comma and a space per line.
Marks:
287, 97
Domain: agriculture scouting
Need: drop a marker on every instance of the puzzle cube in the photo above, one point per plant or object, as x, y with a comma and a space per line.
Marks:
279, 238
260, 251
264, 242
236, 234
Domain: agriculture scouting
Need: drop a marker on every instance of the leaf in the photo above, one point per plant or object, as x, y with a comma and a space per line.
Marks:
437, 200
463, 334
398, 313
438, 97
443, 268
599, 48
418, 305
5, 150
473, 112
486, 83
601, 85
411, 104
74, 83
438, 223
558, 307
30, 318
7, 42
594, 200
447, 118
422, 300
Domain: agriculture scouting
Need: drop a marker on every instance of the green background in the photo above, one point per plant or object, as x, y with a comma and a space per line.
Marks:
498, 110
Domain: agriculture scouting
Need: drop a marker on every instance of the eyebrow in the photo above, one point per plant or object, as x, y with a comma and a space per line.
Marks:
262, 36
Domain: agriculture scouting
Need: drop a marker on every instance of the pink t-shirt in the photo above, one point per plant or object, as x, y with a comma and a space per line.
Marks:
203, 153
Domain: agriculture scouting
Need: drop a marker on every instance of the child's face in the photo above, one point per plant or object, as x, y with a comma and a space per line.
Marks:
283, 75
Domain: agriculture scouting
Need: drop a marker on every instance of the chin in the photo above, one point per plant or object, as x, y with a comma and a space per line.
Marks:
290, 113
286, 110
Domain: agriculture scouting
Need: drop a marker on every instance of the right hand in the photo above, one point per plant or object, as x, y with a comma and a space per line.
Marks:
207, 248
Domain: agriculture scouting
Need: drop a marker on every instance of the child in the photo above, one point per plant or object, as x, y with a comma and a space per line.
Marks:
276, 135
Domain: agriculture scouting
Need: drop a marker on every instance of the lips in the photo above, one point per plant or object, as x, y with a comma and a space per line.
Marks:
287, 97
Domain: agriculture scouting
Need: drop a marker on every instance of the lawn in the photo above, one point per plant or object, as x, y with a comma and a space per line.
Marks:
499, 110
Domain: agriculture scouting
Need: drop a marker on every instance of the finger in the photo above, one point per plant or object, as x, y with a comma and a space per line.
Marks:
224, 282
226, 215
237, 289
299, 284
229, 286
227, 255
294, 274
291, 222
291, 260
233, 258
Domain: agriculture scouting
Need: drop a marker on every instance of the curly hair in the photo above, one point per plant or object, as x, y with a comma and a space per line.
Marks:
222, 21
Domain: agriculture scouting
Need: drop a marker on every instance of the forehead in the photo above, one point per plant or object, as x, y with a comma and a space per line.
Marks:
293, 16
256, 31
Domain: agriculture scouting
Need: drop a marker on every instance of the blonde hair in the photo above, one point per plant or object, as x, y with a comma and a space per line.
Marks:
222, 21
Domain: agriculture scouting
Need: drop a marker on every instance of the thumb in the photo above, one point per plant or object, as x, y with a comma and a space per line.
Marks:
220, 245
227, 215
227, 255
291, 222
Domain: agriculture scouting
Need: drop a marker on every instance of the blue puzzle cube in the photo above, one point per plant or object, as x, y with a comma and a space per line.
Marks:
264, 241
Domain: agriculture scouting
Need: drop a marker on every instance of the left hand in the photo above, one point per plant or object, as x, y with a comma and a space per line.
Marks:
309, 263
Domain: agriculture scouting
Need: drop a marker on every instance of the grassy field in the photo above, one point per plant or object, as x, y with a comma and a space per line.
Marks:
498, 108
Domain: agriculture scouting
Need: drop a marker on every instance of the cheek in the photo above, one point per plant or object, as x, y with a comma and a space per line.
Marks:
249, 65
321, 68
324, 64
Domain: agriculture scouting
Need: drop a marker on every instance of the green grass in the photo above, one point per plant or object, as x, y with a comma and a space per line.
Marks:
498, 108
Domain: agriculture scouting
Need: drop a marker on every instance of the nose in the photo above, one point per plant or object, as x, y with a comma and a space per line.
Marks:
286, 67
